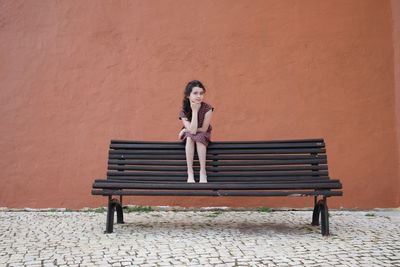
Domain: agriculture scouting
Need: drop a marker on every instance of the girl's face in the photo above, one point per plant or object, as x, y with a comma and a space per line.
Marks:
196, 95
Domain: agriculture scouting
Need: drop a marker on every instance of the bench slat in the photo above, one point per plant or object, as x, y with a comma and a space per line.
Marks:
212, 180
215, 193
199, 186
221, 174
182, 156
311, 140
219, 168
260, 145
219, 179
221, 151
128, 162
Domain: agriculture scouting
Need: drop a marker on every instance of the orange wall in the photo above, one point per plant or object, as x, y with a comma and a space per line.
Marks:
396, 46
75, 74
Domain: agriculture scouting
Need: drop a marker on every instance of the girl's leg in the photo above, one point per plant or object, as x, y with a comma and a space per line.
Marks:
201, 152
189, 159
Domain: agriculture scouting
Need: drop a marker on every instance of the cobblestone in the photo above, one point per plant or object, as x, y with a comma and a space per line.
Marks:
199, 238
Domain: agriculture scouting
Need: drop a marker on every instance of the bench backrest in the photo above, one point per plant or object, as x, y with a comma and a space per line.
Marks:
230, 161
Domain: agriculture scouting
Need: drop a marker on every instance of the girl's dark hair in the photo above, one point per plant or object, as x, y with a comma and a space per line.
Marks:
186, 102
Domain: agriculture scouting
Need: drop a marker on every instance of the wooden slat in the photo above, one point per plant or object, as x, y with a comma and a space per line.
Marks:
215, 193
220, 174
221, 151
226, 181
311, 140
217, 179
259, 145
215, 163
211, 156
200, 186
276, 145
217, 169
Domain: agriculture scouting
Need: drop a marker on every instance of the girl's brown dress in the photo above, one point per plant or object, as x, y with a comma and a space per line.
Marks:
203, 137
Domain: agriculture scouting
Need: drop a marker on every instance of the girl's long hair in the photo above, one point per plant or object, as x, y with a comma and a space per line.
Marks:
186, 102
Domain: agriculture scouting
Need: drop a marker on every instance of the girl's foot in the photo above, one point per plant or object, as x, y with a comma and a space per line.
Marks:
203, 177
190, 177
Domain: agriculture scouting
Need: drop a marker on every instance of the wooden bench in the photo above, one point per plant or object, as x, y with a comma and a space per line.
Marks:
234, 168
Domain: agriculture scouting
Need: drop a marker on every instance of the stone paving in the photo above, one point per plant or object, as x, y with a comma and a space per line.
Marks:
199, 238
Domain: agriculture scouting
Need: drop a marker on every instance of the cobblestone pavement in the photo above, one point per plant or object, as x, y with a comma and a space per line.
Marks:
199, 238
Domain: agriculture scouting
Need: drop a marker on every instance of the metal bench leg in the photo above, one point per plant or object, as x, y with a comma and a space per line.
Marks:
321, 208
324, 217
110, 216
315, 216
120, 214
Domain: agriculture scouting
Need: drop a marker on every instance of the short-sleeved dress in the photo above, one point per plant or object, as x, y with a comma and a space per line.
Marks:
203, 137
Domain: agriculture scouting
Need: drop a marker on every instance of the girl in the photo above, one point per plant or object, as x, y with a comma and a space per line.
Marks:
196, 117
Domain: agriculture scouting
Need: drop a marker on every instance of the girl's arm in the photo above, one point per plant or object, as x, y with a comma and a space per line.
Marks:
206, 123
191, 126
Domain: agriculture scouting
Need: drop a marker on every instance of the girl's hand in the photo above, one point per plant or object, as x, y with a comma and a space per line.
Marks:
181, 133
195, 106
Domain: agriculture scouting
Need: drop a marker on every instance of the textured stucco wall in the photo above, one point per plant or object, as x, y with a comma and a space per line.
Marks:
396, 57
75, 74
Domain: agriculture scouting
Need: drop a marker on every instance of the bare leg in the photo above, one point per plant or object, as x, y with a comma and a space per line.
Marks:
189, 159
201, 152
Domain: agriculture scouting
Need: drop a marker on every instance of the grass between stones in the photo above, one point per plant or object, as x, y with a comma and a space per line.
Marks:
264, 209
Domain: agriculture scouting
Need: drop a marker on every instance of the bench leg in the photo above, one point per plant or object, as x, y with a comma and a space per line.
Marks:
324, 217
321, 208
315, 216
113, 204
110, 216
120, 214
